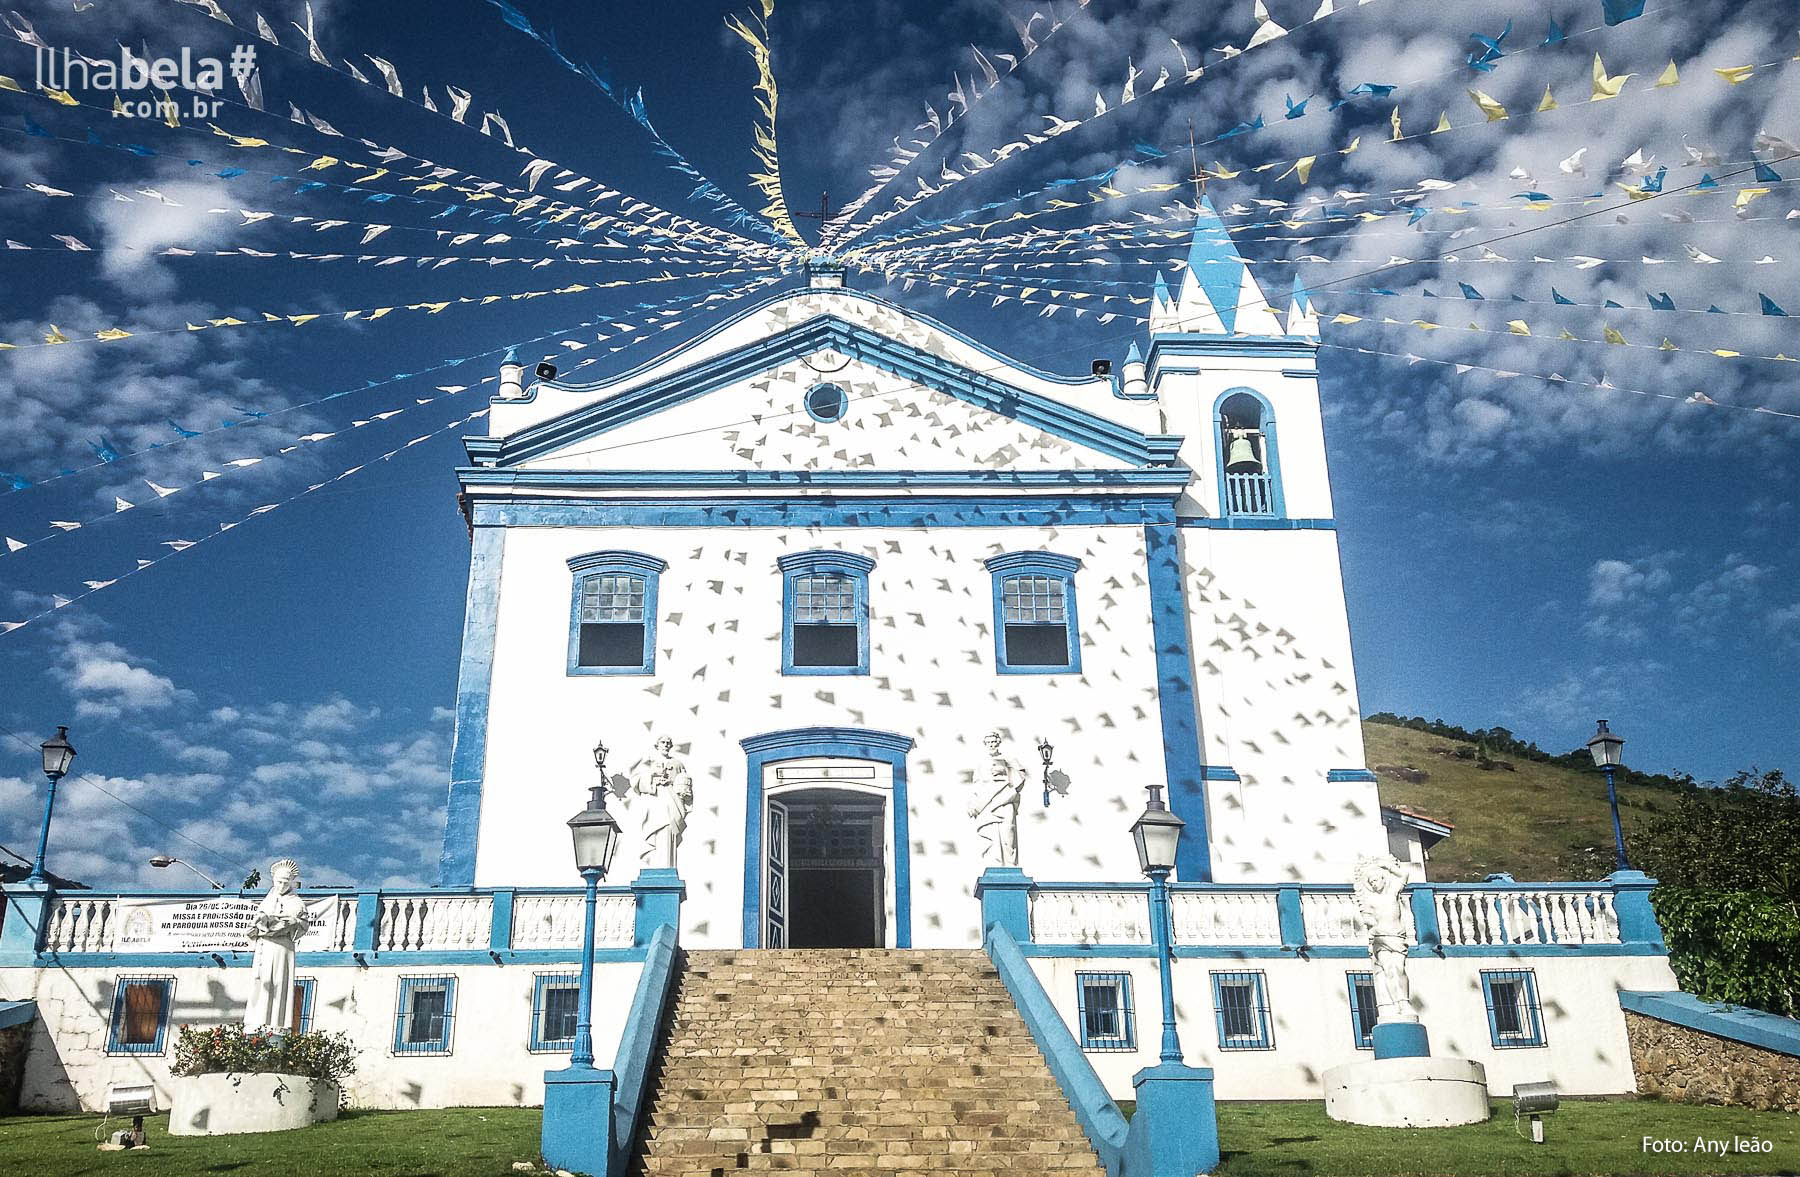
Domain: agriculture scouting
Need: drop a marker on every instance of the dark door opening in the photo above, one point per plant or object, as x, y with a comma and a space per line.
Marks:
836, 872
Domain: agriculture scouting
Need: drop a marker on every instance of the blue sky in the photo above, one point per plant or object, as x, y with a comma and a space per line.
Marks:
1515, 550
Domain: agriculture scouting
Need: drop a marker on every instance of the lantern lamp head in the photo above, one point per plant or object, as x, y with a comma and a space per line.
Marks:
595, 833
58, 753
1604, 746
1157, 833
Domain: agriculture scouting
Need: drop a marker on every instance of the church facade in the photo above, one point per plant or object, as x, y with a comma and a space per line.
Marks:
832, 546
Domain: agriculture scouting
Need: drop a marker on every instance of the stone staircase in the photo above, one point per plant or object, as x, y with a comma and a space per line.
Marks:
853, 1061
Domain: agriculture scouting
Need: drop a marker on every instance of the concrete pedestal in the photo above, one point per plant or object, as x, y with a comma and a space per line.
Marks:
229, 1104
1407, 1092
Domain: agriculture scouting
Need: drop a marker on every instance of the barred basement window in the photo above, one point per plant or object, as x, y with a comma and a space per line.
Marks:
304, 988
424, 1015
612, 629
1363, 1009
140, 1015
1514, 1017
825, 613
1034, 613
1241, 1006
1103, 1002
555, 1005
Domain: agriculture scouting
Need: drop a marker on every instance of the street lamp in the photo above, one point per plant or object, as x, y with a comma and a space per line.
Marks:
58, 753
1604, 747
167, 860
596, 836
1157, 832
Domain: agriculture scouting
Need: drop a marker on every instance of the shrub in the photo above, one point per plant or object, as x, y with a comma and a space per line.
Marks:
317, 1054
1736, 946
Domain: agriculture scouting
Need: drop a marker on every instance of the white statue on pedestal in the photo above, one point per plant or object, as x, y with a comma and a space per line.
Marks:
667, 793
280, 922
996, 814
1383, 906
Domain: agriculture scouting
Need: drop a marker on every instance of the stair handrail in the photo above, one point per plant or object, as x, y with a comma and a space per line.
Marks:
637, 1043
1100, 1118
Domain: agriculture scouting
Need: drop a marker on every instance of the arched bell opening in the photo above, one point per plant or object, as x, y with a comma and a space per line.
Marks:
1249, 480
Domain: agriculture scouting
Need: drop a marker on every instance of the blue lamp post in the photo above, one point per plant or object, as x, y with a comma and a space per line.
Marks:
1604, 747
58, 753
1157, 832
596, 834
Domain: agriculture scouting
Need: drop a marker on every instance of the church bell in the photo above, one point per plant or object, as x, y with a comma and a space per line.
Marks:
1241, 457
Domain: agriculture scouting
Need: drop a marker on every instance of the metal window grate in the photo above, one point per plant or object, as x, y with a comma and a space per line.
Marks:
424, 1015
1515, 1019
1241, 1011
1104, 1010
304, 989
824, 598
1363, 1010
140, 1015
555, 1005
612, 597
1033, 600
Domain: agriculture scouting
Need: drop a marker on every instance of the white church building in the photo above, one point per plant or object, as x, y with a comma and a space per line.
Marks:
876, 583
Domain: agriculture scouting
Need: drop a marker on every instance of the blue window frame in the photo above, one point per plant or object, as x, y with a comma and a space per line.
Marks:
304, 988
1363, 1010
1247, 456
425, 1015
1241, 1011
1035, 626
1514, 1017
555, 1001
1103, 1006
612, 614
140, 1015
825, 613
827, 402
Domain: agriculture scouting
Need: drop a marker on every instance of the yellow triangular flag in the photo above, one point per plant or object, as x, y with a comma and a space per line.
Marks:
7, 83
56, 335
62, 96
1547, 102
1667, 346
1736, 74
1746, 195
1726, 353
1394, 122
1565, 335
1494, 111
1443, 123
320, 164
1669, 77
1606, 87
112, 333
1354, 144
1612, 335
1518, 327
1347, 319
1302, 167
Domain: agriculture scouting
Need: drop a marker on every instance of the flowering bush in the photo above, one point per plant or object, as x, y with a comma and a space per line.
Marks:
316, 1054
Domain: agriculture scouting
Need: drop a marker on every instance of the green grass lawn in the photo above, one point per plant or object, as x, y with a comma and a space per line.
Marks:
1599, 1137
1260, 1139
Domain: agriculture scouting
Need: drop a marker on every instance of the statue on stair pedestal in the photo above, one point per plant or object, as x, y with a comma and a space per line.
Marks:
996, 814
1380, 900
666, 791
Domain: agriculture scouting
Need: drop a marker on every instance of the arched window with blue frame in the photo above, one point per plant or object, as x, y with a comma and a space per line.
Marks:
1249, 462
1035, 629
612, 617
824, 613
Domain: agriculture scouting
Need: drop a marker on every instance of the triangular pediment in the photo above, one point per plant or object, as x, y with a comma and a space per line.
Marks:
916, 396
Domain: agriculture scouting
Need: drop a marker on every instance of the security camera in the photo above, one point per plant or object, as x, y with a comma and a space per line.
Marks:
1103, 367
546, 371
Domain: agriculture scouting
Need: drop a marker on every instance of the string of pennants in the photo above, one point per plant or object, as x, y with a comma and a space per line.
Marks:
768, 180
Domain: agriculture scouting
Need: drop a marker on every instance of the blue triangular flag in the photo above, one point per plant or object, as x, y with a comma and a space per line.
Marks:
18, 482
1614, 305
1556, 296
1660, 302
1617, 12
1296, 109
1714, 311
1706, 181
184, 432
1469, 291
1554, 36
1769, 307
1418, 214
1766, 174
103, 449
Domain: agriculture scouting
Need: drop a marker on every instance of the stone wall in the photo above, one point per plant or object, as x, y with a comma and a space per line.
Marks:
1691, 1066
12, 1066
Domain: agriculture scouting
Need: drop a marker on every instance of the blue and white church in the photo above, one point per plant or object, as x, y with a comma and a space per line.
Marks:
876, 638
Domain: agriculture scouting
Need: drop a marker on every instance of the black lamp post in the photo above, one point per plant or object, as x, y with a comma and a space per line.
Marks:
58, 754
596, 836
1157, 832
1604, 747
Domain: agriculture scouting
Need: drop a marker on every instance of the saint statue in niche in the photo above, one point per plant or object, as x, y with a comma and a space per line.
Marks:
276, 930
996, 813
663, 793
1382, 904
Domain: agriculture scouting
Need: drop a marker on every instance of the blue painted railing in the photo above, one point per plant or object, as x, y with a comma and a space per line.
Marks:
638, 1043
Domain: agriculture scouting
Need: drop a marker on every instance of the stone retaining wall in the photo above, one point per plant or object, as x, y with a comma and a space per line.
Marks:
1691, 1066
13, 1040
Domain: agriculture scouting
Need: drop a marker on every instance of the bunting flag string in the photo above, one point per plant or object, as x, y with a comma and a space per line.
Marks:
1662, 303
957, 105
768, 157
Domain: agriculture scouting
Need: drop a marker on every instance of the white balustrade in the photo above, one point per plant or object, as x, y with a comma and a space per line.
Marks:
1224, 917
554, 921
1331, 917
1527, 917
1090, 917
339, 930
79, 924
413, 922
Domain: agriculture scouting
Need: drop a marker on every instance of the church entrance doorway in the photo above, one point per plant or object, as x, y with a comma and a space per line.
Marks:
828, 846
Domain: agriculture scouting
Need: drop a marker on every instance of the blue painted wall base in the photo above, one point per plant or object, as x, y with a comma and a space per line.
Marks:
1004, 893
22, 925
1175, 1129
657, 893
1400, 1040
578, 1129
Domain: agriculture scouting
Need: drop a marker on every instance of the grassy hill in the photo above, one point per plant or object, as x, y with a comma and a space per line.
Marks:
1537, 820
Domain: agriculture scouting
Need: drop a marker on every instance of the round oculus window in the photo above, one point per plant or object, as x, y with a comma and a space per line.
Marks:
826, 402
